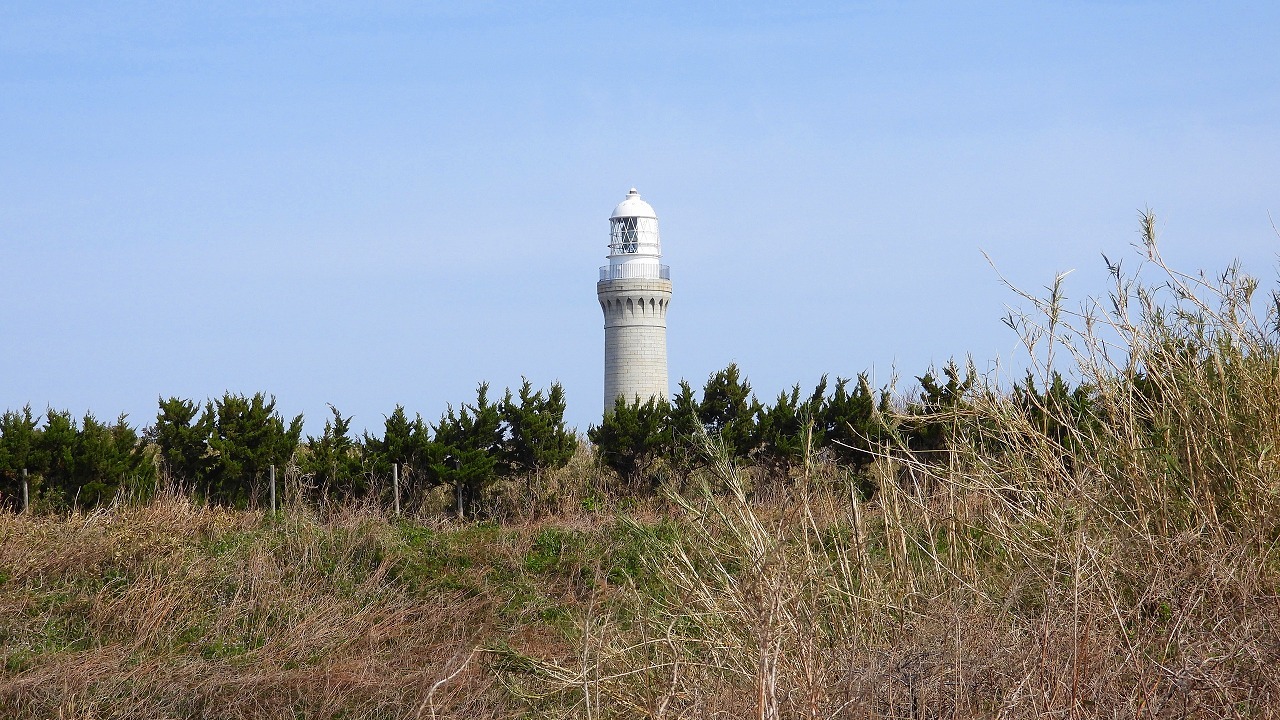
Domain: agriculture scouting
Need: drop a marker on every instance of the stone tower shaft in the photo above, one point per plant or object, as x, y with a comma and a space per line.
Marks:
635, 338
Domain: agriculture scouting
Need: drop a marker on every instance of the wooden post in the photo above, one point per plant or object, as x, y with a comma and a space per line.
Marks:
395, 485
26, 492
273, 489
457, 466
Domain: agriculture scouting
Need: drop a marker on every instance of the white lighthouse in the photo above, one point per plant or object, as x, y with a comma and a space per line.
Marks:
634, 292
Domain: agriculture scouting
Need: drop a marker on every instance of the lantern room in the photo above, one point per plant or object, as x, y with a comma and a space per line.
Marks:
634, 245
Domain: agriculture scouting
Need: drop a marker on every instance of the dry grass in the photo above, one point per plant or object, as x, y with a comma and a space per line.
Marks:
170, 610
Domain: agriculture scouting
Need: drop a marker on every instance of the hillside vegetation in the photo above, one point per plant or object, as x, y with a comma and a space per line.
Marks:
1104, 546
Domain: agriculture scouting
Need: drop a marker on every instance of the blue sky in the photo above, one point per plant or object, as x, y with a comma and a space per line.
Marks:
374, 203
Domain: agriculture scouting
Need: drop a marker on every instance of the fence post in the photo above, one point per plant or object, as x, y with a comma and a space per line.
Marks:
273, 489
26, 492
395, 485
457, 467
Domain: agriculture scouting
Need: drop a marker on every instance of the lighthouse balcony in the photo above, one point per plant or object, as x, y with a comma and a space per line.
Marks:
635, 271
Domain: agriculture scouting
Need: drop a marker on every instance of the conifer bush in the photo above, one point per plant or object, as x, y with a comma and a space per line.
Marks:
18, 439
335, 462
247, 436
181, 435
633, 438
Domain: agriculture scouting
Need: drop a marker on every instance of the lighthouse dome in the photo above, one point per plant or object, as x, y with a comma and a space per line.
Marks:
633, 206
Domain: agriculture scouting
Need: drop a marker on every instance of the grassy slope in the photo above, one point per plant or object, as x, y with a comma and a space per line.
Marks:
173, 610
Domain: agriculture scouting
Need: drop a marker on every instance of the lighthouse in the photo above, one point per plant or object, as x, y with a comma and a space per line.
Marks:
634, 291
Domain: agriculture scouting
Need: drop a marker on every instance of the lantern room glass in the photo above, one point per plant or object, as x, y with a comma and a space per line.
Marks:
626, 236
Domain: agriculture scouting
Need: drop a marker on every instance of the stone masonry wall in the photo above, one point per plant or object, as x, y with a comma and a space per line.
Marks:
635, 338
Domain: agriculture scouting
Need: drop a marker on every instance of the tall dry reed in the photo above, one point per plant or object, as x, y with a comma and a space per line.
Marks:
1114, 556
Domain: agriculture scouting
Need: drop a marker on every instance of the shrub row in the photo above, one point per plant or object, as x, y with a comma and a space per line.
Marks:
222, 451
